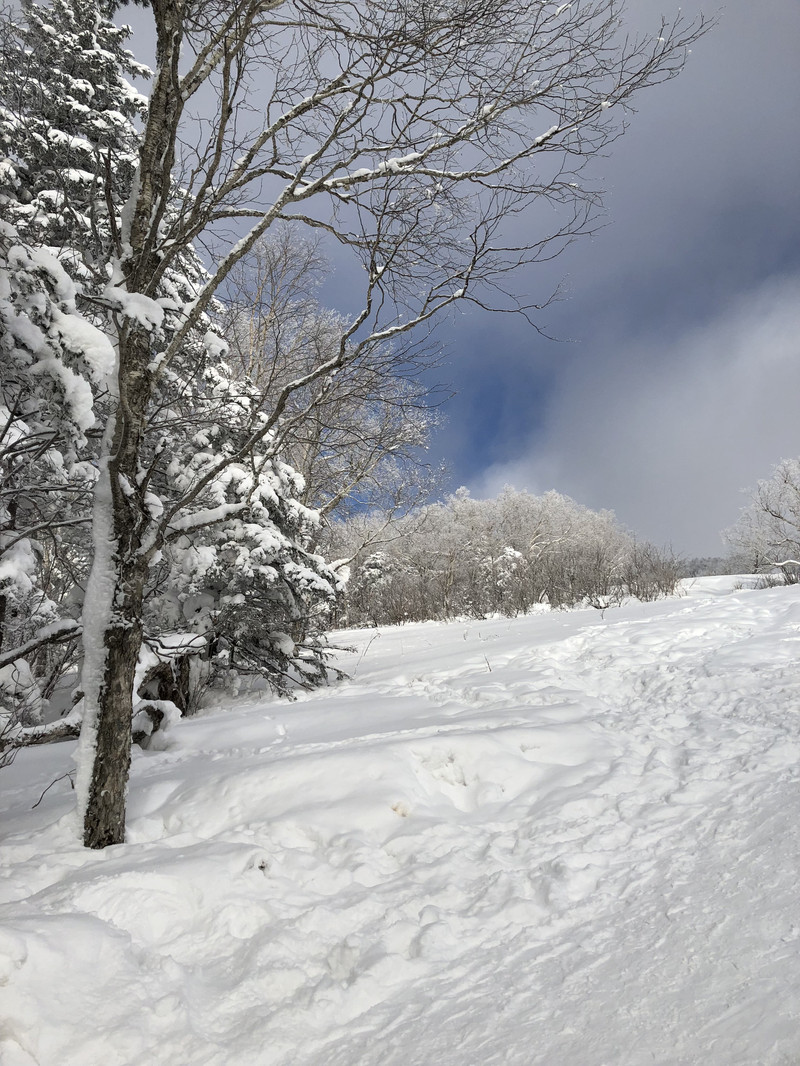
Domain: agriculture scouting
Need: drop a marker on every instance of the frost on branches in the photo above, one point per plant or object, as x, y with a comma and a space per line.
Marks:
766, 537
508, 555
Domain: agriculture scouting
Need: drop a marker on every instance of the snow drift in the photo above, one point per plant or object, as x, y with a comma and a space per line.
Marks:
567, 838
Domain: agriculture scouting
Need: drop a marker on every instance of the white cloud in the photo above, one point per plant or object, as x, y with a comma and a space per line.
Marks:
668, 432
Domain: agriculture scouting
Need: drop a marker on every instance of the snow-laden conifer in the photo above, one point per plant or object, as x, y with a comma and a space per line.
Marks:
52, 360
68, 129
68, 146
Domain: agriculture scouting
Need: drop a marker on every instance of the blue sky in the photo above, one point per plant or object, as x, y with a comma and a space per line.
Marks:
676, 379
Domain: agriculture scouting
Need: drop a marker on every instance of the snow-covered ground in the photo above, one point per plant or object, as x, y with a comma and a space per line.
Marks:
567, 839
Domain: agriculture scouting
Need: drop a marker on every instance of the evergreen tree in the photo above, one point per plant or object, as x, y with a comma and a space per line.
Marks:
68, 147
234, 577
68, 131
51, 362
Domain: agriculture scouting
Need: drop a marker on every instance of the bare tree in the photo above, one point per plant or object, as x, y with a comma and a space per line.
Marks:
767, 533
358, 437
413, 135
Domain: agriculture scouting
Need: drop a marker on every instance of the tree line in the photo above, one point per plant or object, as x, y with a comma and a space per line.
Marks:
509, 555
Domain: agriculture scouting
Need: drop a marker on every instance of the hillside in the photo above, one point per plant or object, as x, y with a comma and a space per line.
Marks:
566, 839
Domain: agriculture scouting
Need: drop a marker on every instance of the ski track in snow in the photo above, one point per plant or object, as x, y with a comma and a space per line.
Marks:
565, 839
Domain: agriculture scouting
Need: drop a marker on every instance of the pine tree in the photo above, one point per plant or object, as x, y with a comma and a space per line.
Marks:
51, 362
68, 131
68, 146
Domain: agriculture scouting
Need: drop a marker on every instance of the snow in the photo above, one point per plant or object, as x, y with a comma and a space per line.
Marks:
135, 305
97, 614
566, 839
130, 93
208, 516
77, 392
79, 335
397, 164
215, 345
68, 141
41, 259
18, 563
548, 134
18, 686
394, 165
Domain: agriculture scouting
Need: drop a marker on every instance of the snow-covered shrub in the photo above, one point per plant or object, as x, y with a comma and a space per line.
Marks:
649, 573
234, 566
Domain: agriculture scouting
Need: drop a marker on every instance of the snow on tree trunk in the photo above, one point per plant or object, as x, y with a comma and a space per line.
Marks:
114, 603
115, 632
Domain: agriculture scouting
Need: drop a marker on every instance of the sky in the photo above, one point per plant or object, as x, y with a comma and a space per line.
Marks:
673, 384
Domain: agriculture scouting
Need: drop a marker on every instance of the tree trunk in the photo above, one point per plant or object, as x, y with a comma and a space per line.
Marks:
113, 637
104, 821
113, 614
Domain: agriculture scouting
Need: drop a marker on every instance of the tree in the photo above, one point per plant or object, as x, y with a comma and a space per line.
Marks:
68, 131
236, 584
358, 438
69, 144
767, 533
412, 135
45, 412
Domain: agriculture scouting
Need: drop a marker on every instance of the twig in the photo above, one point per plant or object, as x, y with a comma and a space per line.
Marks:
364, 652
68, 774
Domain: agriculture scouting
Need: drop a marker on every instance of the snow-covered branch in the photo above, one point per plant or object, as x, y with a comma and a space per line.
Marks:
55, 633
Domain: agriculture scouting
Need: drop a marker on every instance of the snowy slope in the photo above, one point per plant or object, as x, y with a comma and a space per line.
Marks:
567, 839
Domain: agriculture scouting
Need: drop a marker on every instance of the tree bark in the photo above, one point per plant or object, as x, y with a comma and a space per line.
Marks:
121, 632
104, 821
